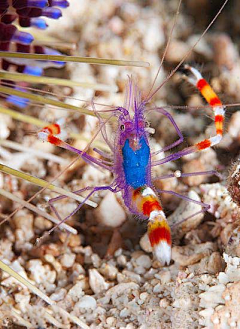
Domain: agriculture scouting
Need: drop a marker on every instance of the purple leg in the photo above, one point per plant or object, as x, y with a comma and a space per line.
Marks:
94, 189
86, 157
205, 206
108, 163
179, 174
179, 141
175, 156
103, 154
60, 197
103, 127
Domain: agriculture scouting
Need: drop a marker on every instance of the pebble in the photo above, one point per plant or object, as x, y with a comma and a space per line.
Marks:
143, 296
110, 212
157, 288
5, 122
233, 126
225, 53
128, 326
76, 292
72, 240
164, 276
154, 36
42, 274
97, 281
122, 260
86, 302
78, 269
212, 297
68, 259
24, 225
191, 254
145, 243
207, 312
176, 51
42, 223
23, 300
144, 261
109, 271
96, 261
215, 263
190, 166
59, 294
164, 303
134, 277
140, 270
111, 320
124, 313
118, 252
121, 288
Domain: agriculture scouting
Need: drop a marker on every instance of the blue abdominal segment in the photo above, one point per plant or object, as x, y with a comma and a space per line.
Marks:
135, 163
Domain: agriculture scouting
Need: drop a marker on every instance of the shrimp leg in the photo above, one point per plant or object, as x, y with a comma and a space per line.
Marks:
169, 116
204, 206
53, 133
92, 191
179, 174
218, 109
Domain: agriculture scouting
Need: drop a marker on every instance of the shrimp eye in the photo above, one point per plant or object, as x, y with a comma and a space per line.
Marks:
122, 127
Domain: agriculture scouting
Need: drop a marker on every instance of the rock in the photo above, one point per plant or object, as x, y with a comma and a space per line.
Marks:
185, 210
144, 261
86, 302
213, 296
191, 254
109, 271
110, 212
145, 243
97, 282
68, 259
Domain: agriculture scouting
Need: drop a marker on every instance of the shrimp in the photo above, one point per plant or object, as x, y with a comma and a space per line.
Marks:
132, 160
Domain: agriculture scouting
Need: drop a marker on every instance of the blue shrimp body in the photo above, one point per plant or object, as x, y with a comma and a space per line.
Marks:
135, 163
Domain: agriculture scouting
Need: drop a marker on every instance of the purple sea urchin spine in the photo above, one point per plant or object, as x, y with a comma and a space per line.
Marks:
10, 33
28, 13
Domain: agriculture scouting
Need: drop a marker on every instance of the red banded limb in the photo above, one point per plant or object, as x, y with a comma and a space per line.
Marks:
218, 109
49, 134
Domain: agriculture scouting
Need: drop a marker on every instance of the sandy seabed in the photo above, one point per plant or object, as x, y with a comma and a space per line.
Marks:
106, 275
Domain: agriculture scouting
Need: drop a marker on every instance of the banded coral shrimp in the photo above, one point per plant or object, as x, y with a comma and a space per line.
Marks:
131, 162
